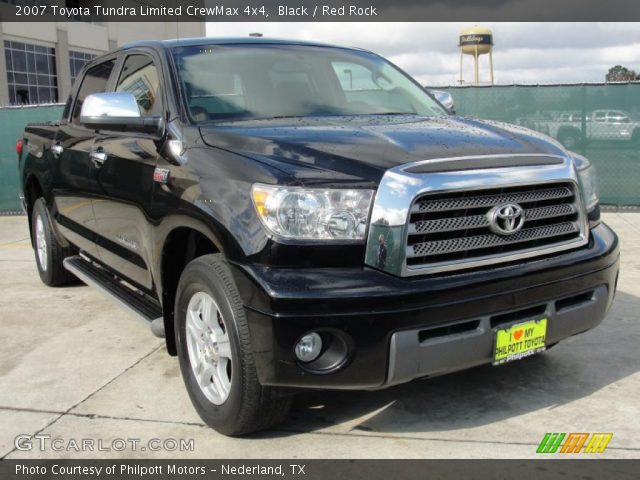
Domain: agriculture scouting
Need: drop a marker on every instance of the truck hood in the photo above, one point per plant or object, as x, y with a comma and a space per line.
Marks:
362, 148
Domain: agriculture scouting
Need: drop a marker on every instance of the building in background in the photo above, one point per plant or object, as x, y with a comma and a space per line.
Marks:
42, 59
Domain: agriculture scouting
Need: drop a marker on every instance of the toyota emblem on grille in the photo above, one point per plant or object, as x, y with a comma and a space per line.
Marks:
506, 219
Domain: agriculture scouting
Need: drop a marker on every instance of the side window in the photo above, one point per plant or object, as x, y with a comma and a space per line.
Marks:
617, 117
600, 116
94, 81
140, 77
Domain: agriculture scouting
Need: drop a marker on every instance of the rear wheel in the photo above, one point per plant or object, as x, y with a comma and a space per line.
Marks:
49, 252
215, 354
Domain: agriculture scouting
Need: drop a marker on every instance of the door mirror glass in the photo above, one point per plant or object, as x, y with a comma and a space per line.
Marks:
116, 111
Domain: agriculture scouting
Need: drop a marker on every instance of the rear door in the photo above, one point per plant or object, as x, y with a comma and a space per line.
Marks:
125, 178
73, 186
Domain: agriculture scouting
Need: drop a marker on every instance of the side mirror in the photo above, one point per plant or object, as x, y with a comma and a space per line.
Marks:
445, 98
116, 111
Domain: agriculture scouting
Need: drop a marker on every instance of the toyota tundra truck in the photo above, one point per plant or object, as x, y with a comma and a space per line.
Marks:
294, 216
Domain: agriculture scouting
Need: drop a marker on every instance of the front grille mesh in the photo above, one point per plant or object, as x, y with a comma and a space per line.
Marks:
455, 227
488, 200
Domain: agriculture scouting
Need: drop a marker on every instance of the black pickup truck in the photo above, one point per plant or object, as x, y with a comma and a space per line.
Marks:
294, 215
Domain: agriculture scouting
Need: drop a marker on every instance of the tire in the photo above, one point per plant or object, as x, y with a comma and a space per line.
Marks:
569, 139
228, 397
49, 253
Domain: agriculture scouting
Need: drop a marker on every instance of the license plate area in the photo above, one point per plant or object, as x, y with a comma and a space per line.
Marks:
519, 341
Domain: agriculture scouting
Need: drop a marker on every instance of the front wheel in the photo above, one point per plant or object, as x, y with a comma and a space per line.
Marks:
215, 355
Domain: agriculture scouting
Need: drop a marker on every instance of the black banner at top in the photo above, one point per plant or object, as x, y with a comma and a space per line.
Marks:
319, 10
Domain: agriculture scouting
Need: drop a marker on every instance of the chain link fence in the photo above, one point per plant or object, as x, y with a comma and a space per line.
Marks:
600, 121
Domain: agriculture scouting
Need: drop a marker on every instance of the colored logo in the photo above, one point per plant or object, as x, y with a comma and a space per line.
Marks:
506, 219
574, 442
161, 175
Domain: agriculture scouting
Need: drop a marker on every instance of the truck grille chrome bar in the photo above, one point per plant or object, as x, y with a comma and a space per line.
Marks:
463, 244
458, 203
477, 221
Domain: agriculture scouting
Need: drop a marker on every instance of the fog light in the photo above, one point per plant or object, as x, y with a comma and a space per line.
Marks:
309, 347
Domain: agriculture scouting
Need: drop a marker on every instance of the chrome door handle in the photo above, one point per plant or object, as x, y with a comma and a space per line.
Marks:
98, 158
57, 149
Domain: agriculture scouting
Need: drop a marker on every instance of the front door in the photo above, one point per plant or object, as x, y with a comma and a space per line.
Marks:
123, 168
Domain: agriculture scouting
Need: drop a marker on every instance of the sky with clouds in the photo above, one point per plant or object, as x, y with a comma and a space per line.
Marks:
523, 52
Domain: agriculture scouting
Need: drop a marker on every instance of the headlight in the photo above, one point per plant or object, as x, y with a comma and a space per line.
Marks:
587, 174
313, 214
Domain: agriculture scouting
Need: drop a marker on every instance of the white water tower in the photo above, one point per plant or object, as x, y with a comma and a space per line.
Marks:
476, 41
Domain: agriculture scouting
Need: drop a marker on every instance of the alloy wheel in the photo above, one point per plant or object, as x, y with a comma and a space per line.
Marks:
208, 347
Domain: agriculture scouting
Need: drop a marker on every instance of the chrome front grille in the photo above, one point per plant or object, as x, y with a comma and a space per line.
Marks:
478, 221
452, 230
489, 200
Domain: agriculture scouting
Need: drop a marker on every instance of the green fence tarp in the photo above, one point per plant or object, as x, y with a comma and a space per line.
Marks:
599, 121
12, 122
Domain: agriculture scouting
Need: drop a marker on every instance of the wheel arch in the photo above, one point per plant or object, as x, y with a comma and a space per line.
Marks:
568, 131
565, 129
181, 240
32, 191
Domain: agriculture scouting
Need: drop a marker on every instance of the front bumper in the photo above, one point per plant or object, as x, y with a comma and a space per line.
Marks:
385, 317
435, 351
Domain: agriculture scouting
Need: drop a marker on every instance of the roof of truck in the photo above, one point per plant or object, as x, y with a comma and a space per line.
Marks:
187, 42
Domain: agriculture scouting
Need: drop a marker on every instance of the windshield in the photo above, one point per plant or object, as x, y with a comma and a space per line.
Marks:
227, 82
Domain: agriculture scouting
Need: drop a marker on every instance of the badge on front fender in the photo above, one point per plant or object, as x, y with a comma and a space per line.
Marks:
161, 175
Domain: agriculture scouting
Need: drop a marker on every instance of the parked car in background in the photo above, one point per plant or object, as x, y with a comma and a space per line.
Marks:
293, 216
600, 125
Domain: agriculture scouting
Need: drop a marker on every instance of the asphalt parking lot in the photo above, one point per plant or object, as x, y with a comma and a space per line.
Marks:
73, 365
